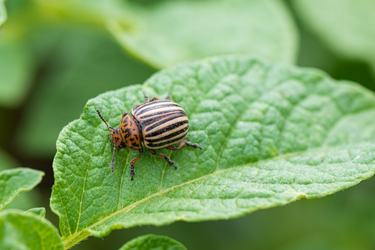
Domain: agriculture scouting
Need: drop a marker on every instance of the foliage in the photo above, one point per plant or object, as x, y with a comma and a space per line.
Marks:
153, 242
355, 41
20, 230
40, 211
74, 66
15, 181
164, 33
272, 133
253, 121
259, 23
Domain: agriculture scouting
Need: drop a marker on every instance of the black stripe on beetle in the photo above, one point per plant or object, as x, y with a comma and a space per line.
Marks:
161, 123
160, 132
157, 124
157, 114
171, 135
162, 144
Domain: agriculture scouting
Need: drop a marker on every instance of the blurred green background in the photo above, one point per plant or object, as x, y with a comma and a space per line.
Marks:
55, 55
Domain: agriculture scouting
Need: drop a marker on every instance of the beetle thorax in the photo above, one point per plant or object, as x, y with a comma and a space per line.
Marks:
130, 133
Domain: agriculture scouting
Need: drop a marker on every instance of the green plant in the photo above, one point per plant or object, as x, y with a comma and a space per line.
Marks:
29, 230
272, 133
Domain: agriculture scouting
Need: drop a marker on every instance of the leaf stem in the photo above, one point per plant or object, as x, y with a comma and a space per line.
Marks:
74, 239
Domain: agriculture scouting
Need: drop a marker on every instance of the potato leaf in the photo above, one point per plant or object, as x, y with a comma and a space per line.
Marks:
27, 231
271, 134
15, 181
345, 26
153, 242
40, 211
163, 33
169, 32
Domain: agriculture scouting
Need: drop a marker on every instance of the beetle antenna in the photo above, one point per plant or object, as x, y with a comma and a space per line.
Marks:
145, 96
168, 97
101, 117
113, 158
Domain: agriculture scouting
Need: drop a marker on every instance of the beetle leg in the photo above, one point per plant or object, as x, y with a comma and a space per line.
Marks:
132, 163
168, 97
146, 97
183, 144
164, 156
149, 100
153, 99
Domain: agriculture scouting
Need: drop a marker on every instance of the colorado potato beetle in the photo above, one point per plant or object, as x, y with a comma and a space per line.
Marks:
157, 124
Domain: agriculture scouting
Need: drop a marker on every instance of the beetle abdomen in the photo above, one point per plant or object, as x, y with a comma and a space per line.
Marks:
163, 123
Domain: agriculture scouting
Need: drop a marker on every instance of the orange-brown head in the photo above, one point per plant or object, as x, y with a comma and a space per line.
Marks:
115, 138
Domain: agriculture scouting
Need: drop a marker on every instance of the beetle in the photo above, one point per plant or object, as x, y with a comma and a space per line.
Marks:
156, 124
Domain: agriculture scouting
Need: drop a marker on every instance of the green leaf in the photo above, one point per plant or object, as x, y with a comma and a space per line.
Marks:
164, 33
22, 201
22, 231
153, 242
345, 26
40, 211
73, 74
272, 134
169, 32
3, 12
15, 181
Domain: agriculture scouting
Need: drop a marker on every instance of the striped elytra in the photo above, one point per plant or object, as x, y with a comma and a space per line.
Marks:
163, 123
157, 124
